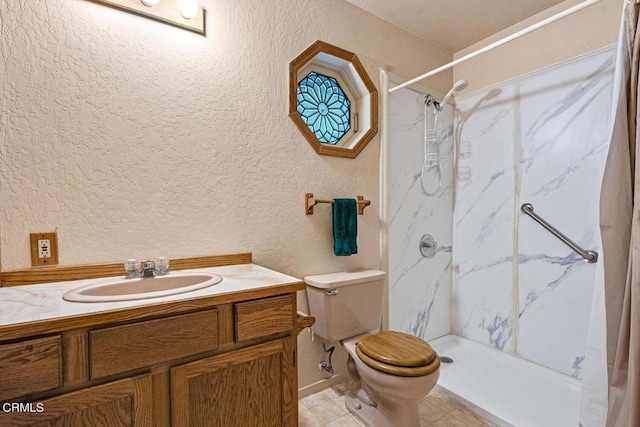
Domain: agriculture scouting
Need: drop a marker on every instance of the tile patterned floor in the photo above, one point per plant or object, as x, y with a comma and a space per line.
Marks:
326, 408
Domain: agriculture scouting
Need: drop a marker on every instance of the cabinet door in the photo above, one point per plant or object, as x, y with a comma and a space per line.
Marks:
126, 402
255, 386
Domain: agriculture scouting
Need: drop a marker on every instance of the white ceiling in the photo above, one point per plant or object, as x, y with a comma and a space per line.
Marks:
453, 25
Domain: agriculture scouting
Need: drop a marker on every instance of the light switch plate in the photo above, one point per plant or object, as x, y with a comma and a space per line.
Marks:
38, 255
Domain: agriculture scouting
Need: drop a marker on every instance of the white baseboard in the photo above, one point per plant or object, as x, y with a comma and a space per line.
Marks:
321, 385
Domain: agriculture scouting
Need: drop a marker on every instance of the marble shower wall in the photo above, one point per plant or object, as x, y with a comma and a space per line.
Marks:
542, 139
419, 288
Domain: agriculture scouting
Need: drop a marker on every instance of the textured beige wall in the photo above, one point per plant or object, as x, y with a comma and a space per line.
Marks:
591, 28
137, 139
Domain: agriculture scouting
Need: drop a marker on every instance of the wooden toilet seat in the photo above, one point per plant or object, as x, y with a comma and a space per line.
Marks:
397, 353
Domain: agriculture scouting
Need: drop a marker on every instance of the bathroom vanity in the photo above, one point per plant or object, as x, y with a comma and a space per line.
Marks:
221, 356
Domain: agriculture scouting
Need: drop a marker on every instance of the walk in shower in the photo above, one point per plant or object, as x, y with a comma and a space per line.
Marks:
500, 295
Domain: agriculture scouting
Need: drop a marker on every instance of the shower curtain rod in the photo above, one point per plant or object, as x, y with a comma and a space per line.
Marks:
500, 42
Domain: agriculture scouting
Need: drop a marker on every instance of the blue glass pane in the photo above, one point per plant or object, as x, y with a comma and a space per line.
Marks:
324, 107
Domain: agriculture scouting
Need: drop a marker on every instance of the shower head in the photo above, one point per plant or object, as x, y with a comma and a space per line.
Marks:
460, 85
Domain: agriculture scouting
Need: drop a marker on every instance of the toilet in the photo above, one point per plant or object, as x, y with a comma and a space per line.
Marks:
390, 371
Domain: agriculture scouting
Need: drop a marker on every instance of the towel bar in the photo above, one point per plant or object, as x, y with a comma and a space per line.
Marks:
311, 201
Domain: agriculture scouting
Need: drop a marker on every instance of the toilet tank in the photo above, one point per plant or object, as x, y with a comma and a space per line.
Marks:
345, 304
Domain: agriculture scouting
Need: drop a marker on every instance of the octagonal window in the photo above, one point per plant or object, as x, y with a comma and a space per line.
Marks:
332, 100
324, 107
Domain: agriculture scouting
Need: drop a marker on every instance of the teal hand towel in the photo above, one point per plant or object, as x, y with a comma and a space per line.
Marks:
345, 227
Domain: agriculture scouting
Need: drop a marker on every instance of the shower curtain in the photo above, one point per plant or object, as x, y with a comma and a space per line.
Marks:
619, 226
593, 399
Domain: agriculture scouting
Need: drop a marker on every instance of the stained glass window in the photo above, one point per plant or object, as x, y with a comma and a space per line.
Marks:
324, 107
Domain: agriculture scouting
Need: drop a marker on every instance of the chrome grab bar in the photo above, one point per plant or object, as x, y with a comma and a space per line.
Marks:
589, 256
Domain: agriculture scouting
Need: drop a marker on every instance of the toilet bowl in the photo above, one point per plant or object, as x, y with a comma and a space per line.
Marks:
393, 399
390, 371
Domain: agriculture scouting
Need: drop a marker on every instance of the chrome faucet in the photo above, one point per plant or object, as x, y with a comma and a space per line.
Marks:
149, 268
159, 267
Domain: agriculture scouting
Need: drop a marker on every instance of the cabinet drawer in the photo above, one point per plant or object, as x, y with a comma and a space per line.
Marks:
124, 348
30, 366
264, 317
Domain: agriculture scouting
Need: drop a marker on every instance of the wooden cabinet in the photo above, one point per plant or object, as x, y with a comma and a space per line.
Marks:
227, 365
127, 402
249, 387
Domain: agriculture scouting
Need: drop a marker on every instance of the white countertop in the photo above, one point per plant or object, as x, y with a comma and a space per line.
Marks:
29, 303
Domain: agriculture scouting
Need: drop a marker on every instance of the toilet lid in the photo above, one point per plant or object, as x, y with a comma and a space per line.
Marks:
397, 349
401, 371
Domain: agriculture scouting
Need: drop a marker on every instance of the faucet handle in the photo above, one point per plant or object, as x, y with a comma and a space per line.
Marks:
162, 265
132, 268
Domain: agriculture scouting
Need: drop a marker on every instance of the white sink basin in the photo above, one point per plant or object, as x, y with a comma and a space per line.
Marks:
148, 287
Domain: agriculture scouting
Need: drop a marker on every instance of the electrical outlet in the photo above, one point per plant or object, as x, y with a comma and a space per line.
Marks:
44, 248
